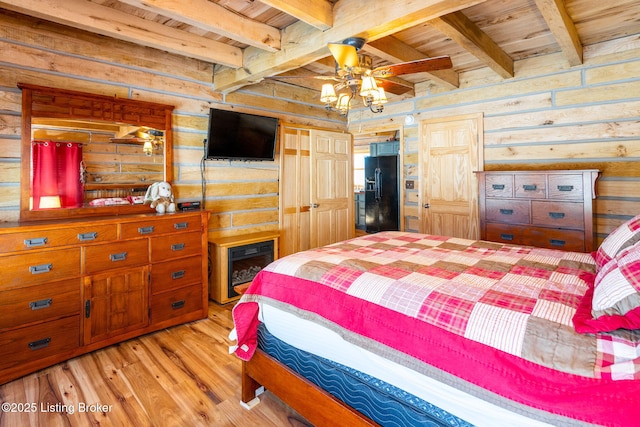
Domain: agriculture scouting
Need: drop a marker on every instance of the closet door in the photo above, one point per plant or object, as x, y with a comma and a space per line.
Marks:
332, 195
450, 151
295, 182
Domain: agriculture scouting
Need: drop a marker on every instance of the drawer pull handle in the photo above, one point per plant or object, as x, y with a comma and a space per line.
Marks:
145, 230
565, 187
37, 345
87, 309
177, 274
497, 186
506, 237
181, 225
35, 243
177, 247
43, 303
530, 187
42, 268
87, 237
556, 215
506, 211
557, 242
118, 257
177, 305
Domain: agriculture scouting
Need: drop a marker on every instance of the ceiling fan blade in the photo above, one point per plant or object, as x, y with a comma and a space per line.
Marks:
393, 87
417, 66
345, 55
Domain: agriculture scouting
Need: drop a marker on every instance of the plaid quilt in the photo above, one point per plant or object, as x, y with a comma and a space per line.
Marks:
431, 296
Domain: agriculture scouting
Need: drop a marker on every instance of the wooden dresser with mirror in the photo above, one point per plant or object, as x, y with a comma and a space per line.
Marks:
80, 278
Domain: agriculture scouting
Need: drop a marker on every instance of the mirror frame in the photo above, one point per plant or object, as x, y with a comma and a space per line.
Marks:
46, 102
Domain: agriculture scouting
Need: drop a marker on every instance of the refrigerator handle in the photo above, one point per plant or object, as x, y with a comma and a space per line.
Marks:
378, 184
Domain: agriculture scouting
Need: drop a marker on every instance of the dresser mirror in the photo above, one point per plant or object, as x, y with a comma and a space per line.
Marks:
90, 155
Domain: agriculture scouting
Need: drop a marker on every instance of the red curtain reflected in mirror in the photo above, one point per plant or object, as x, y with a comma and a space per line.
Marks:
55, 175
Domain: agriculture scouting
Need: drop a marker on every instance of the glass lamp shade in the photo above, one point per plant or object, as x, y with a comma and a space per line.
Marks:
328, 94
343, 102
369, 89
380, 97
147, 148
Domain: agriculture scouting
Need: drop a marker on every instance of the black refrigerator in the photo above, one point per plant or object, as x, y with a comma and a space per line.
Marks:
381, 195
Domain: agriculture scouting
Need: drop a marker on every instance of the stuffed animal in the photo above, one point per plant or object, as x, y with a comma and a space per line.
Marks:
160, 196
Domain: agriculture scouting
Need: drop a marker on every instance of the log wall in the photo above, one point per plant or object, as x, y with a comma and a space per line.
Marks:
243, 196
549, 116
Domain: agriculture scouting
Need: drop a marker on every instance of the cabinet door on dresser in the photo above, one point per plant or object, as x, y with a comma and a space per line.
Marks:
115, 303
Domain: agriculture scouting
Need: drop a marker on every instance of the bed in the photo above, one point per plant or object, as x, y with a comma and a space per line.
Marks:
399, 328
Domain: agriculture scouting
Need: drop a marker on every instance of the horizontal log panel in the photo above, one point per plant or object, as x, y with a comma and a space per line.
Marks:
230, 205
9, 148
38, 341
241, 219
10, 124
9, 172
551, 153
604, 206
625, 168
585, 132
595, 94
614, 188
38, 303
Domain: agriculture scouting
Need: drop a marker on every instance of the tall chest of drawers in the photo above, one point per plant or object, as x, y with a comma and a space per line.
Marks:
73, 287
549, 209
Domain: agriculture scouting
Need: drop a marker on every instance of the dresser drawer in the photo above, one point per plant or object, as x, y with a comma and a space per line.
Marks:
557, 214
116, 255
49, 238
508, 211
179, 302
567, 240
39, 267
39, 341
531, 186
38, 303
161, 225
566, 187
176, 245
174, 274
499, 185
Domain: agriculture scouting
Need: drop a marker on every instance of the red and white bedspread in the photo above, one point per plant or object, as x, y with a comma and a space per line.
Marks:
497, 316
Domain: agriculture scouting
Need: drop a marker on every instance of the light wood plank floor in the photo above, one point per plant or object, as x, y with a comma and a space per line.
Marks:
183, 376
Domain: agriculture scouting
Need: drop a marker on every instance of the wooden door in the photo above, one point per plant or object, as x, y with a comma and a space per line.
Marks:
295, 182
332, 203
451, 150
115, 303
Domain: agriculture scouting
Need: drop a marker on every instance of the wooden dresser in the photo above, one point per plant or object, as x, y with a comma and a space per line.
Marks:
549, 209
75, 286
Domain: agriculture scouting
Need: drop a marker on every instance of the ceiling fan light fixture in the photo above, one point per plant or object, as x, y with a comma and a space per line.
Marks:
328, 94
380, 97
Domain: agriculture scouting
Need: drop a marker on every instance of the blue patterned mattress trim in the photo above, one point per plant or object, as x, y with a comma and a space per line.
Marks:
382, 402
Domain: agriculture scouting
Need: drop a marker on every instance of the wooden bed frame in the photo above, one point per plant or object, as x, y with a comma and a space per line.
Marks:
314, 404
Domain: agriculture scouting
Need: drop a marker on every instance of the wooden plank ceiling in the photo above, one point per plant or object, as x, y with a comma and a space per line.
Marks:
249, 40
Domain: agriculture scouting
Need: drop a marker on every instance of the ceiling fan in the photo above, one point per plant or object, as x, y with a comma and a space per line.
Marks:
355, 72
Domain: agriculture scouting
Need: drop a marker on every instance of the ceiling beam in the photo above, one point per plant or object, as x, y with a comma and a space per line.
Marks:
211, 17
393, 50
563, 29
109, 22
468, 35
317, 13
302, 44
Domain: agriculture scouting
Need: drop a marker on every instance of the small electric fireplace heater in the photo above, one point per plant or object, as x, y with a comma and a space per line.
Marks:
245, 262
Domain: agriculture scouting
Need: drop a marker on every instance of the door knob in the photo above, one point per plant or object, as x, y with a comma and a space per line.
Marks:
314, 205
426, 206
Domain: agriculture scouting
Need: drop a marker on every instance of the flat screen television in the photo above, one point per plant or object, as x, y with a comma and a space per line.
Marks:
241, 136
